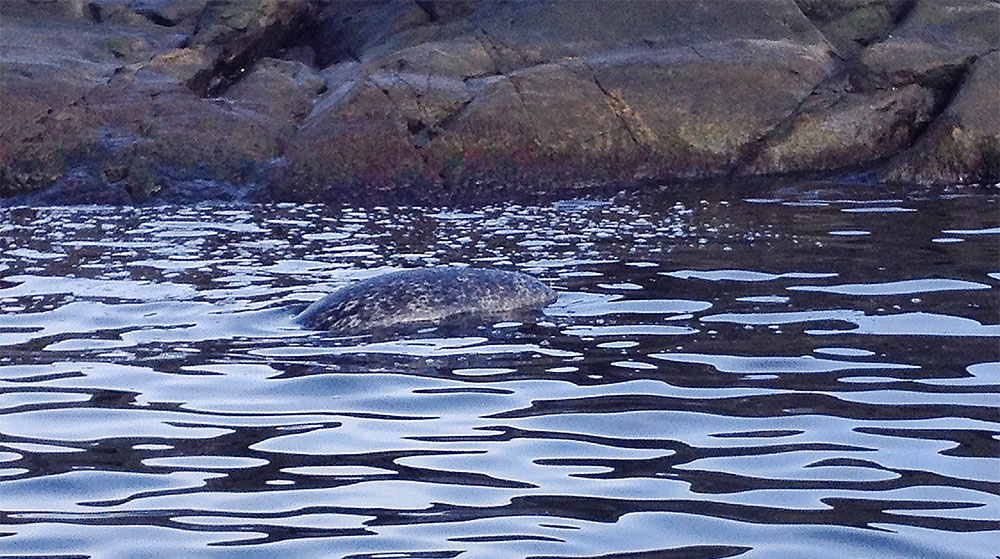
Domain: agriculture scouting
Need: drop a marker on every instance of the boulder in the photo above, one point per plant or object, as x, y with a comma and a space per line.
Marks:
114, 11
181, 14
48, 9
553, 91
362, 31
845, 128
882, 104
934, 44
48, 65
119, 101
851, 25
962, 145
125, 131
949, 47
239, 32
703, 110
283, 90
189, 66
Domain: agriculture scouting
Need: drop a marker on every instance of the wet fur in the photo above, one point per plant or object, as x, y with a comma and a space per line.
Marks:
425, 296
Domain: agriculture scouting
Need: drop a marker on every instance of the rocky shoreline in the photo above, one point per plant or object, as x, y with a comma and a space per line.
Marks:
131, 101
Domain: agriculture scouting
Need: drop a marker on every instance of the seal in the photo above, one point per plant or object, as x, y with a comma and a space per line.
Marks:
424, 295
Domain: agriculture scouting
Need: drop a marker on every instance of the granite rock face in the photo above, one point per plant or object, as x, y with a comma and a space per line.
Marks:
963, 142
137, 100
528, 92
889, 93
124, 122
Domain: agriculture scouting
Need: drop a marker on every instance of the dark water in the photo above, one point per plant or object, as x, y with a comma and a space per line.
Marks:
794, 374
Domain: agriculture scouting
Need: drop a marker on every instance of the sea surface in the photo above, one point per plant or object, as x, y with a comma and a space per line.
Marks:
800, 372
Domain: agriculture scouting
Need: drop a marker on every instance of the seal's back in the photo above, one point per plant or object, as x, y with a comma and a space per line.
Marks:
424, 295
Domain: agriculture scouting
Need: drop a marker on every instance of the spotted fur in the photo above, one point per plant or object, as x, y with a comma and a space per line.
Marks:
424, 295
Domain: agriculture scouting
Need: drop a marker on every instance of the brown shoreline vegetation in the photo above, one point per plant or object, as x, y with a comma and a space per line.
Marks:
131, 101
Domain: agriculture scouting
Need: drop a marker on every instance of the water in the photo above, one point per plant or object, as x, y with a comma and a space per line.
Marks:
802, 372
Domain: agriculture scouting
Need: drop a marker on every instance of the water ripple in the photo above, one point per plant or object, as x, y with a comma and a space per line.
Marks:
681, 399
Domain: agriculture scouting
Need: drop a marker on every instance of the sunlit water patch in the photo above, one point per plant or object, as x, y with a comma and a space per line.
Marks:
802, 372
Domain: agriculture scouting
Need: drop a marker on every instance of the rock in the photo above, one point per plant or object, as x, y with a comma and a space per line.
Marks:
962, 145
239, 32
191, 67
446, 11
846, 128
57, 9
303, 54
28, 171
525, 114
851, 25
46, 66
125, 132
935, 47
934, 44
81, 187
970, 22
127, 49
719, 106
432, 99
79, 82
490, 96
114, 11
182, 14
167, 13
352, 30
885, 102
904, 62
178, 129
281, 89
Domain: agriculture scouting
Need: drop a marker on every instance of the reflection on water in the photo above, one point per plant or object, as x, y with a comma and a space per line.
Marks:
807, 373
